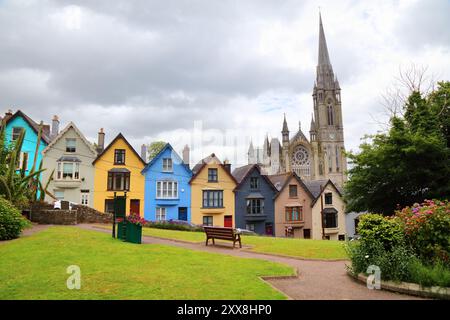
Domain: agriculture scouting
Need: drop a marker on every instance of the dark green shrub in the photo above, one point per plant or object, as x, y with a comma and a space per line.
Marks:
393, 263
428, 276
375, 227
11, 221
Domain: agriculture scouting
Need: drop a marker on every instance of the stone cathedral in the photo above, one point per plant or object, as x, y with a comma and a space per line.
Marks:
322, 155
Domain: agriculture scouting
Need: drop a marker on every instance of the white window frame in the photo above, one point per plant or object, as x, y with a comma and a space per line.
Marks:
167, 165
84, 198
161, 212
75, 171
75, 145
167, 189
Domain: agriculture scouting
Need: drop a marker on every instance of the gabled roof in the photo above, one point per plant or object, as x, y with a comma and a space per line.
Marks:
64, 131
291, 176
118, 137
278, 180
33, 125
167, 146
319, 186
241, 174
204, 162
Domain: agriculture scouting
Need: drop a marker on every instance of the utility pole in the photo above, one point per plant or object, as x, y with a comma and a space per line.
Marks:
321, 212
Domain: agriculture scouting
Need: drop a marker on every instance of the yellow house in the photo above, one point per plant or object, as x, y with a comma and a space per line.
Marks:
117, 169
212, 193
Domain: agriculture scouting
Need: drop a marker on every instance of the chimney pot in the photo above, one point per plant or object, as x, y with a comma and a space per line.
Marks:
101, 141
186, 155
55, 127
144, 152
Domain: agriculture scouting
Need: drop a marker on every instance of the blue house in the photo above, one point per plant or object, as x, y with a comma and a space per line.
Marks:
254, 202
17, 122
167, 189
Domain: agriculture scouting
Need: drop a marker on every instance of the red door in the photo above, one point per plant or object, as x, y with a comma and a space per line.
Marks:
228, 221
135, 206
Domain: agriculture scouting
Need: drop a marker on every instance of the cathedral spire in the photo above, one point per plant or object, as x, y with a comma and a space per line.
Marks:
324, 58
325, 77
285, 126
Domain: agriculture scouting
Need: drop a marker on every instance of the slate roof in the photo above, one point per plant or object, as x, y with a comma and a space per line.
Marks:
69, 126
240, 173
315, 186
278, 180
204, 161
174, 153
31, 123
120, 136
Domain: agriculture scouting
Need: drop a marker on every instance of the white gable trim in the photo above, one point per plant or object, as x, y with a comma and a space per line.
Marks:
64, 131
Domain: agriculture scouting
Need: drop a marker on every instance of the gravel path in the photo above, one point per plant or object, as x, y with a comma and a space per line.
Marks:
318, 280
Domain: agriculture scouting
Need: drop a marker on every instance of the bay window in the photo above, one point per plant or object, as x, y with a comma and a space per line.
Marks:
68, 171
118, 181
255, 206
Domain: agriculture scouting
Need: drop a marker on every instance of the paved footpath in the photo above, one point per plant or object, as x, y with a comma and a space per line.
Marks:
318, 280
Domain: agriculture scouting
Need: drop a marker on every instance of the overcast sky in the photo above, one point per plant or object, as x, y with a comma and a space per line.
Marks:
154, 70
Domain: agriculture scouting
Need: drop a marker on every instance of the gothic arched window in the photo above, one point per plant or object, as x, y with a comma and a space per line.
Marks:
338, 154
330, 114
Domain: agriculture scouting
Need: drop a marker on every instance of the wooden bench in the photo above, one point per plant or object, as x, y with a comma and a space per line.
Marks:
222, 234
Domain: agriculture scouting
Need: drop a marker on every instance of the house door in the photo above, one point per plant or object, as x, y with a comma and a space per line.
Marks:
182, 213
269, 229
228, 221
135, 206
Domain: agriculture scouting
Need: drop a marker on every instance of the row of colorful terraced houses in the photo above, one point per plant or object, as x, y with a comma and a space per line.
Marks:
166, 188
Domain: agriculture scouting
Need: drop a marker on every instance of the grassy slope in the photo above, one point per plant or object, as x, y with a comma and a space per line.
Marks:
35, 268
314, 249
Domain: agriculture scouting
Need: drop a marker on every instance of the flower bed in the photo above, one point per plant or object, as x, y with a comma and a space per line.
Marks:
412, 246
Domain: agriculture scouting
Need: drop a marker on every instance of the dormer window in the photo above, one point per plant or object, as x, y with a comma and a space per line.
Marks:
167, 165
71, 145
119, 156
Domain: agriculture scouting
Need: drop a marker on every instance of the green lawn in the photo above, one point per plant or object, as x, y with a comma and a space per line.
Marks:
34, 267
300, 248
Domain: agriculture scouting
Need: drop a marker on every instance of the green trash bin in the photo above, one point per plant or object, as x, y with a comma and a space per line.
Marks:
134, 233
121, 230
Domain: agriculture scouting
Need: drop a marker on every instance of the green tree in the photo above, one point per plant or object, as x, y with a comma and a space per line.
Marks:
154, 148
439, 101
408, 164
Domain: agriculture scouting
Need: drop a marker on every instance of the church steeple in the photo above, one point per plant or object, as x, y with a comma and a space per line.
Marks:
285, 132
325, 76
324, 58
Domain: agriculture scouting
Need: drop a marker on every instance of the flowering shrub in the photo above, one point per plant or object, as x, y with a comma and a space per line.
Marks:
137, 220
427, 229
174, 225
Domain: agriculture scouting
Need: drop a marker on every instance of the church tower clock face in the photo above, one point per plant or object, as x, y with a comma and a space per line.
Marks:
300, 157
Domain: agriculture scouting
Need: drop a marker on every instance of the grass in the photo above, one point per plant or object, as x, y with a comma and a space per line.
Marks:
299, 248
34, 267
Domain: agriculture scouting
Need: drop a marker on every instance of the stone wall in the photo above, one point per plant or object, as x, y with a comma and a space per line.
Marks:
45, 214
65, 217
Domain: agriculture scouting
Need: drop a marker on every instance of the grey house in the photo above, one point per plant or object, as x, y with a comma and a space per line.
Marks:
254, 202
